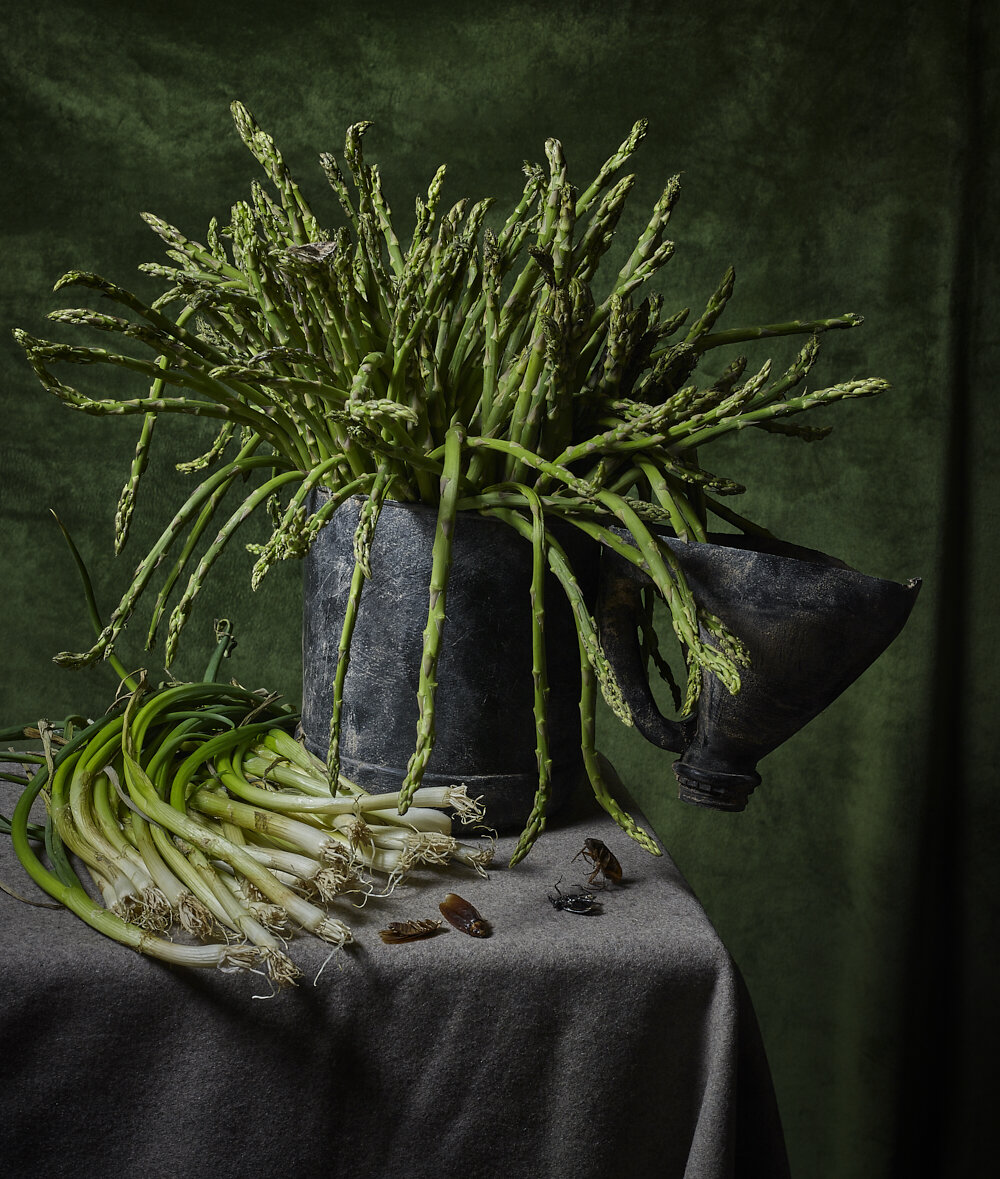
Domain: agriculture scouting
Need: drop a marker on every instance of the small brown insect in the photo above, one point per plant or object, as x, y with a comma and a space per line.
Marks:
463, 916
408, 931
604, 861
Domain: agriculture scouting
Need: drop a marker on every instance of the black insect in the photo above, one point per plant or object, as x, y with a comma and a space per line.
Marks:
575, 902
458, 912
604, 861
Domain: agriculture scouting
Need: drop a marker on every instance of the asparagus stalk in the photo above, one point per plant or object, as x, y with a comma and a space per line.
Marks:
535, 823
440, 568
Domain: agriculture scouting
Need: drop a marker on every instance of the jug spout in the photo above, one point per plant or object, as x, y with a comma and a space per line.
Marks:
811, 626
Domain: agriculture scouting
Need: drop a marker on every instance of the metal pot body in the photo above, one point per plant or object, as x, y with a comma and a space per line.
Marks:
485, 733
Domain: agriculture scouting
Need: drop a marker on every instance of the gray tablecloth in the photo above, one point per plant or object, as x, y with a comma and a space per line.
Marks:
617, 1044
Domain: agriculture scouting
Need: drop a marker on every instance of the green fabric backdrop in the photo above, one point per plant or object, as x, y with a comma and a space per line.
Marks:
840, 156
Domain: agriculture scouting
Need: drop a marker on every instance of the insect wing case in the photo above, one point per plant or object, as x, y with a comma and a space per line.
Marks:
464, 916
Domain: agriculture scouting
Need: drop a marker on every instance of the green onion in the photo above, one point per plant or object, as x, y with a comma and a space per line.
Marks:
151, 799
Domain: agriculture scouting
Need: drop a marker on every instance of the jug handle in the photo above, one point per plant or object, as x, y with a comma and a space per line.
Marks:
618, 606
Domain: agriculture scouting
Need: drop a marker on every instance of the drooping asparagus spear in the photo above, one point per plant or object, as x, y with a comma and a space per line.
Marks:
535, 822
597, 766
364, 533
440, 569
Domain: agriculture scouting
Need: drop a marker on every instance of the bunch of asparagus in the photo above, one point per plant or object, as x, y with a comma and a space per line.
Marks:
474, 368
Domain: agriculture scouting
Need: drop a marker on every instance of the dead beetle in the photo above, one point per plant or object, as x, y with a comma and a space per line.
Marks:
574, 902
604, 861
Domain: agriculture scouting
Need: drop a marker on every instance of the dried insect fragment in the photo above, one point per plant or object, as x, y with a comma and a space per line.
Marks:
604, 861
408, 931
465, 917
574, 902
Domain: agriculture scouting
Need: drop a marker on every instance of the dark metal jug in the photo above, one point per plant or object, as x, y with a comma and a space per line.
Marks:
811, 625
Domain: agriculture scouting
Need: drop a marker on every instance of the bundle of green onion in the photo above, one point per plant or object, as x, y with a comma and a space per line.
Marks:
476, 367
193, 809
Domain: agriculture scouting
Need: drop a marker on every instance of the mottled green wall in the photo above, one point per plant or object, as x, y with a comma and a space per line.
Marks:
838, 155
